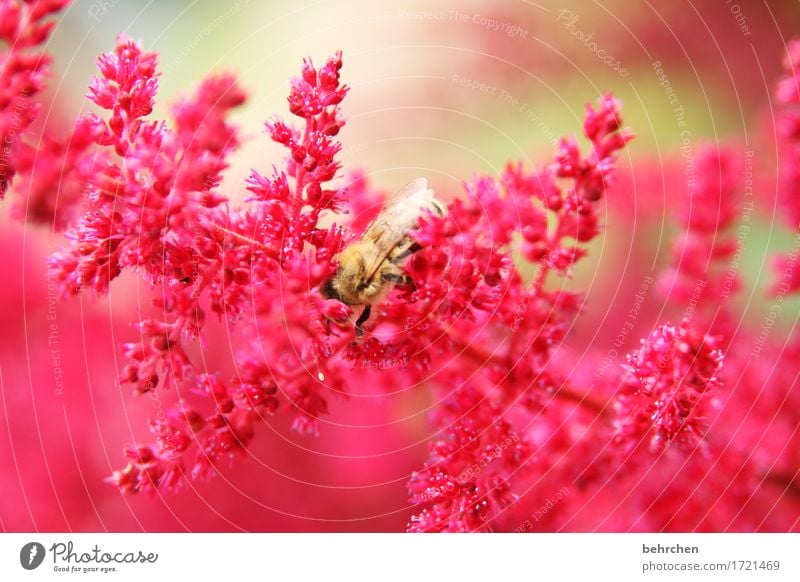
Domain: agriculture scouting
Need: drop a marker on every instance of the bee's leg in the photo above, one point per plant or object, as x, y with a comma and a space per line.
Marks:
407, 252
396, 278
362, 319
399, 279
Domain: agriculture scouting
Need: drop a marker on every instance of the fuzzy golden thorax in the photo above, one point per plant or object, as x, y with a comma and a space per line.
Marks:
352, 284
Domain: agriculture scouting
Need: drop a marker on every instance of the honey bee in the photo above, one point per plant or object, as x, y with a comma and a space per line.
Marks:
369, 267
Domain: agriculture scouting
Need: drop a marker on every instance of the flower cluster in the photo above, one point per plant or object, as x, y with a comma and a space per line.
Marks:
518, 324
667, 398
250, 261
23, 27
466, 479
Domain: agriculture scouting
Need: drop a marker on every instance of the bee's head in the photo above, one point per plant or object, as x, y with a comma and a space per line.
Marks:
348, 283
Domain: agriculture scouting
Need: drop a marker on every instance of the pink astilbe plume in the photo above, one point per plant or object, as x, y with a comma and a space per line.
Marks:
667, 398
24, 26
505, 383
252, 267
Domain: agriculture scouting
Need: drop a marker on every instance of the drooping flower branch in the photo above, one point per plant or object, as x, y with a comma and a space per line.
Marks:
253, 261
24, 26
489, 399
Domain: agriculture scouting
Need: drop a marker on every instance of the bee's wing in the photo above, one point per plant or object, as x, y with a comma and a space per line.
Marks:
398, 217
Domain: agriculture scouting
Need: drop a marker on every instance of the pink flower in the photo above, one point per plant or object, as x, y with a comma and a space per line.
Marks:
209, 265
787, 91
23, 27
668, 397
64, 166
466, 479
